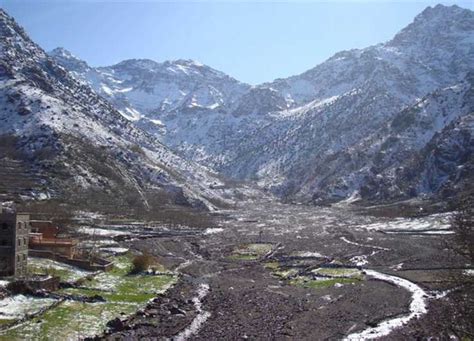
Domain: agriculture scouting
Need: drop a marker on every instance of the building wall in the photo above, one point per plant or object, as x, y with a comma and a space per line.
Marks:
7, 246
45, 227
67, 251
21, 244
14, 230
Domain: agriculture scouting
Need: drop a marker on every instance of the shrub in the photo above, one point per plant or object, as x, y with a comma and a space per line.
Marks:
142, 263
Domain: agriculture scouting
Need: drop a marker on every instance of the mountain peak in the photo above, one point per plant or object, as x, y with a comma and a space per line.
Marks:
141, 63
187, 62
436, 23
430, 12
66, 59
62, 52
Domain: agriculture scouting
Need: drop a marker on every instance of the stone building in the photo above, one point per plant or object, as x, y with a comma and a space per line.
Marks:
14, 230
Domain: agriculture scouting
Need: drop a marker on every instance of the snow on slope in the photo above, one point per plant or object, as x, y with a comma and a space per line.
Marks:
78, 142
323, 148
314, 136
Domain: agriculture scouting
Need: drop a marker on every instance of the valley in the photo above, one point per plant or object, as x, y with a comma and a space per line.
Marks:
270, 270
318, 206
330, 272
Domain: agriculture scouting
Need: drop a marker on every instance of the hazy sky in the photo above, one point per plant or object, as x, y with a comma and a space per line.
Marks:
253, 42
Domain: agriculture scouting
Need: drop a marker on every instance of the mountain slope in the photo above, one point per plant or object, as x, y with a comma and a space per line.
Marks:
444, 164
315, 150
308, 136
77, 145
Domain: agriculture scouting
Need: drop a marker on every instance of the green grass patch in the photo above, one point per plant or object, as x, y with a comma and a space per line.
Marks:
325, 277
70, 320
285, 273
339, 272
41, 266
250, 251
124, 294
280, 272
258, 248
237, 256
272, 265
6, 321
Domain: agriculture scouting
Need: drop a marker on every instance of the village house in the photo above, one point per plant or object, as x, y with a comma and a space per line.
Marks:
14, 230
44, 237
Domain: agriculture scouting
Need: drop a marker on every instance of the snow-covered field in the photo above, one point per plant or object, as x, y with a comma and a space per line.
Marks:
15, 307
68, 272
432, 224
95, 231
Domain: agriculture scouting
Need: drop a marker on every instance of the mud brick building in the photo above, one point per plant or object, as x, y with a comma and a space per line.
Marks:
14, 230
44, 237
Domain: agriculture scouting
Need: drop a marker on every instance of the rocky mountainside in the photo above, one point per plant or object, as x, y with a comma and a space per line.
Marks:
445, 164
314, 136
60, 139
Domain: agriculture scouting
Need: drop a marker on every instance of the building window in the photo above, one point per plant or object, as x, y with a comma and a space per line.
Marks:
3, 242
24, 257
19, 242
18, 258
4, 226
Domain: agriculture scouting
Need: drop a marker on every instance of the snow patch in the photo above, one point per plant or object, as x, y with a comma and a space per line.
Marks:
213, 230
18, 306
363, 245
359, 260
201, 317
417, 308
130, 114
93, 231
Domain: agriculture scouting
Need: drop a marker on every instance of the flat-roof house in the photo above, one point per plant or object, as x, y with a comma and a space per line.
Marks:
44, 237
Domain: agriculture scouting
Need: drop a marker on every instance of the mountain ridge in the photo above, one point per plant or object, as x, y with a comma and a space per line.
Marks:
79, 144
290, 135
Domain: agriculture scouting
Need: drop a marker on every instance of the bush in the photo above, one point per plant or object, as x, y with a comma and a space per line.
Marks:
142, 263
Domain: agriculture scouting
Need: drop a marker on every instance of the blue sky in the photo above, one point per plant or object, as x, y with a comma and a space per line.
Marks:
251, 41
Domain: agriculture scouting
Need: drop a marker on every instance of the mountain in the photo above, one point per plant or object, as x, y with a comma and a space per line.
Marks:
441, 162
145, 88
321, 135
60, 139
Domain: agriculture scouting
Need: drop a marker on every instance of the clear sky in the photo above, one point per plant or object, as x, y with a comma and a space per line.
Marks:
251, 41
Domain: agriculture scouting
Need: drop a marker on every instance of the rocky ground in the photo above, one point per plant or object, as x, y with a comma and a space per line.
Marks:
223, 297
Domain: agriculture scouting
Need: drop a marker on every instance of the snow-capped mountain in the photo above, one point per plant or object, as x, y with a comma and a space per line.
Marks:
317, 135
145, 88
59, 138
388, 163
181, 102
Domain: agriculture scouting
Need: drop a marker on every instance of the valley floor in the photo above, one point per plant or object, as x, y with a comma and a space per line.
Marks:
275, 271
